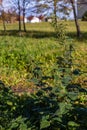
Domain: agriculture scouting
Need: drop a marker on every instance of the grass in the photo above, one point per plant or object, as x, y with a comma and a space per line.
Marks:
21, 54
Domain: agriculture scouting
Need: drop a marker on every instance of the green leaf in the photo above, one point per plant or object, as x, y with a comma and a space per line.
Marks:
58, 119
72, 124
1, 128
44, 122
9, 103
61, 109
14, 125
29, 129
23, 127
73, 96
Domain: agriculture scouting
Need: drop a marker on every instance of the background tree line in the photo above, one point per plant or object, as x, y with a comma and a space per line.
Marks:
21, 7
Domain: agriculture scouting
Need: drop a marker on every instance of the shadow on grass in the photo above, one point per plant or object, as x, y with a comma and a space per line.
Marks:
73, 36
41, 34
31, 33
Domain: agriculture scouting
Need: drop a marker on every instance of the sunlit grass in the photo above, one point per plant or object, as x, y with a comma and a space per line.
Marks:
40, 45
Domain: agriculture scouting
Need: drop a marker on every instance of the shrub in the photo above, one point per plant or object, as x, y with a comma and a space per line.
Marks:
60, 30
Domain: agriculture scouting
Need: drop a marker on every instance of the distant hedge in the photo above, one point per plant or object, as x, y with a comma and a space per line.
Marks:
84, 17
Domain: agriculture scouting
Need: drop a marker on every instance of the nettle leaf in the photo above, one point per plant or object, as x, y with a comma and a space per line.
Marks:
61, 109
9, 103
62, 92
66, 80
73, 96
58, 119
72, 124
69, 106
23, 127
44, 122
62, 106
14, 125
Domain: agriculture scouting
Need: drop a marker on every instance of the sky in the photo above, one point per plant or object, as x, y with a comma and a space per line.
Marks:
29, 11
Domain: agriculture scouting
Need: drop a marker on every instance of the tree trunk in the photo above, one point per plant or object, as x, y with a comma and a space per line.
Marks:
24, 26
75, 18
55, 11
4, 26
19, 9
3, 20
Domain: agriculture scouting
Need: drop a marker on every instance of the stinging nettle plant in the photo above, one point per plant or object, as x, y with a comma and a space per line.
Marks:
59, 29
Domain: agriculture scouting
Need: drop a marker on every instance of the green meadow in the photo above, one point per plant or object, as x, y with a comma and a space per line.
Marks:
20, 54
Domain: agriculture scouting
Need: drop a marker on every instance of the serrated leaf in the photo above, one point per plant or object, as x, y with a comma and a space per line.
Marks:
44, 122
61, 109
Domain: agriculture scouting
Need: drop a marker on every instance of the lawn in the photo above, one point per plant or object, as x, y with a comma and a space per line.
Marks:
19, 55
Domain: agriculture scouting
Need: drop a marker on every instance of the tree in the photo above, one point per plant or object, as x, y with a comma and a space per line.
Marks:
22, 4
75, 18
24, 15
21, 7
72, 2
25, 4
53, 7
16, 4
61, 7
50, 6
2, 14
12, 15
19, 14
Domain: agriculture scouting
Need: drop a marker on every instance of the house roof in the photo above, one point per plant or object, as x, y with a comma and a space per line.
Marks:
30, 18
41, 17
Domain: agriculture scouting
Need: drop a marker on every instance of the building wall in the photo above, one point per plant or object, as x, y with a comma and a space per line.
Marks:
81, 8
35, 20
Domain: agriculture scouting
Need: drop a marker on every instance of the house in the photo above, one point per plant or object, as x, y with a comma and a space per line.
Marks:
34, 19
42, 18
50, 19
81, 8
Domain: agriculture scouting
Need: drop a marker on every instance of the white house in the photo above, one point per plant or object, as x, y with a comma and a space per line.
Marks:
33, 19
25, 20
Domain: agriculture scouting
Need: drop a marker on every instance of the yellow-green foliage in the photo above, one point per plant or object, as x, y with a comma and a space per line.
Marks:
20, 54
